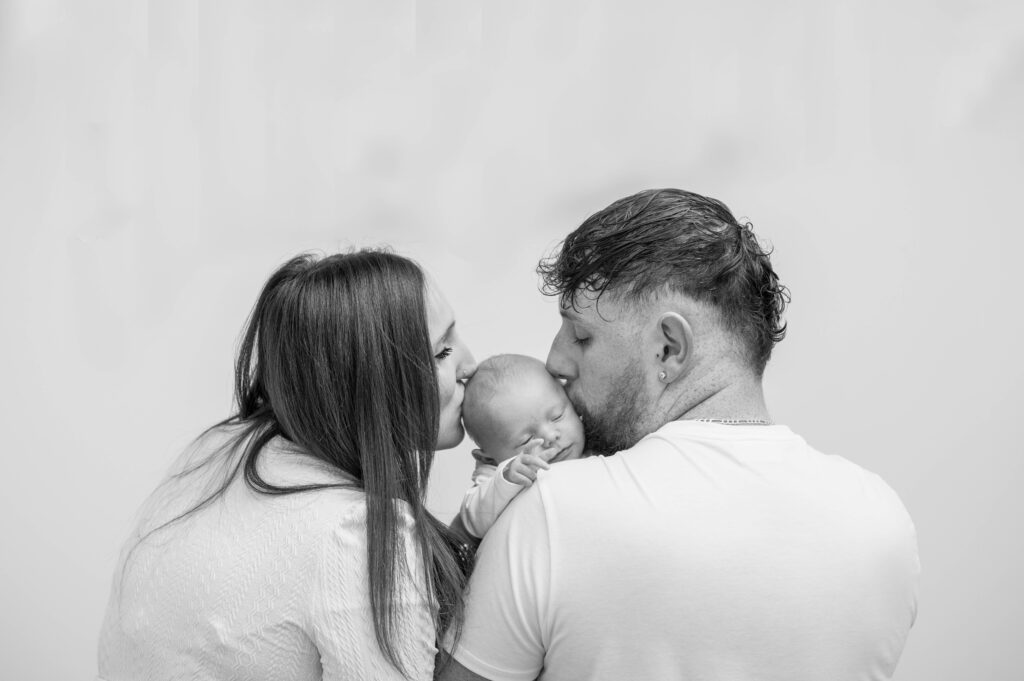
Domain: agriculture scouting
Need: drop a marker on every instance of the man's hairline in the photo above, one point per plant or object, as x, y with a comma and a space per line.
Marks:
636, 304
642, 308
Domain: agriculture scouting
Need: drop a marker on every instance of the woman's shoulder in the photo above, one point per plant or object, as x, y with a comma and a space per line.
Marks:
336, 494
288, 464
339, 505
333, 501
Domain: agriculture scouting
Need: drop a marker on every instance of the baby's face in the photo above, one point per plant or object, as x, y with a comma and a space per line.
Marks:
534, 406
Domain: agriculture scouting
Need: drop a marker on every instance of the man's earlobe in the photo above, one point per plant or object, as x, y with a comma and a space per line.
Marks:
677, 346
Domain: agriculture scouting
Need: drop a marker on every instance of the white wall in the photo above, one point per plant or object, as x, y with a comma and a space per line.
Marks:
159, 159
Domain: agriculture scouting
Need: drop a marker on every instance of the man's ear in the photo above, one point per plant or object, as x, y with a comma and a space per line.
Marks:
676, 338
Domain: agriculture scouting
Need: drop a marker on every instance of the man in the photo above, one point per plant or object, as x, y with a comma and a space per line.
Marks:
709, 542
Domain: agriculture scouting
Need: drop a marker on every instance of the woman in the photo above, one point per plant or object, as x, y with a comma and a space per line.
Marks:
291, 541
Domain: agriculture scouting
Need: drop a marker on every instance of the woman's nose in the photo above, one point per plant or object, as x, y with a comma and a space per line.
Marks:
467, 366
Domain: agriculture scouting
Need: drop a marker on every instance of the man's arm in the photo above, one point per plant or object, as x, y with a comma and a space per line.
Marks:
449, 669
506, 602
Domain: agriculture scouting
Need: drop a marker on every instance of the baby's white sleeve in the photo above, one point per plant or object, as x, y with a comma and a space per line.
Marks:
487, 498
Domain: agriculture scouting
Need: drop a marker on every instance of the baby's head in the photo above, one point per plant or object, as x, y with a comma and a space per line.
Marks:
512, 399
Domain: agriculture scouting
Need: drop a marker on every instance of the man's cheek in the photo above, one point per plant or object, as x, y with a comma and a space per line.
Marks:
579, 405
574, 396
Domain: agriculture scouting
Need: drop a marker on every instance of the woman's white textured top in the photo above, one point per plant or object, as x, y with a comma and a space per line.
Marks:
256, 586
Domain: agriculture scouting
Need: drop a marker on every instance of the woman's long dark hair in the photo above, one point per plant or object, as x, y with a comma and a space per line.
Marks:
336, 357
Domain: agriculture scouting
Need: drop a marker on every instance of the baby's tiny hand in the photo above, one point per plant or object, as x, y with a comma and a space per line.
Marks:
522, 469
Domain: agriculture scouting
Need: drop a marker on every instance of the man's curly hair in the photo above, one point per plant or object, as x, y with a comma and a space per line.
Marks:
690, 243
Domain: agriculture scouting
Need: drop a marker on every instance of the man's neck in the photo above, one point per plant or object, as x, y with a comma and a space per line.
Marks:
733, 402
727, 394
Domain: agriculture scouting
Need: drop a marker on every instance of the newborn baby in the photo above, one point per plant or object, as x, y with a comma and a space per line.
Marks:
521, 419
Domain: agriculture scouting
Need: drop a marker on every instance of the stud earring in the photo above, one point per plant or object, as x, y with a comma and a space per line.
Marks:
662, 376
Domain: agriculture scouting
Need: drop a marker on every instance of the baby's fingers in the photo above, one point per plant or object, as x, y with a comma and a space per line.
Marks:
535, 461
523, 477
534, 446
549, 453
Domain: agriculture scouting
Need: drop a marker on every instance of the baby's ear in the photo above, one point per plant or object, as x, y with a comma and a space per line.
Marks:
479, 455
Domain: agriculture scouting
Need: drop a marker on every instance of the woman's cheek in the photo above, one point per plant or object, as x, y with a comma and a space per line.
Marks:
446, 388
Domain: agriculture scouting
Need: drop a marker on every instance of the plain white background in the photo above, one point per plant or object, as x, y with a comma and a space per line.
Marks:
158, 159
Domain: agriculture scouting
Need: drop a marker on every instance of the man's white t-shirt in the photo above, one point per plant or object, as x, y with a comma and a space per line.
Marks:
706, 551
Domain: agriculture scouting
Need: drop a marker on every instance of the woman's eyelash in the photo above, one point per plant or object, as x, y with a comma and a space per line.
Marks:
580, 341
443, 354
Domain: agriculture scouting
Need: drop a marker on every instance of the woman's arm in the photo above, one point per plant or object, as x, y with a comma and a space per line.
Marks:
342, 626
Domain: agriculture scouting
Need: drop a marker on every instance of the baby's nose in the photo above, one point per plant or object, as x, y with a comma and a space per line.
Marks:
551, 436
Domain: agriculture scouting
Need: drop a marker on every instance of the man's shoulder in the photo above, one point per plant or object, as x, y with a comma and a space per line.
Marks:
595, 474
575, 473
566, 483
